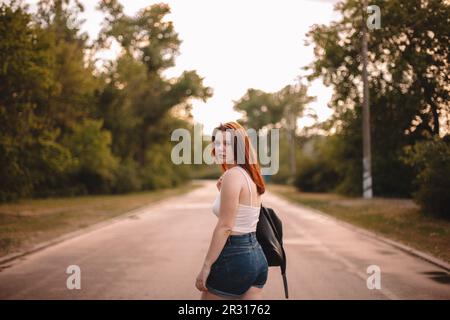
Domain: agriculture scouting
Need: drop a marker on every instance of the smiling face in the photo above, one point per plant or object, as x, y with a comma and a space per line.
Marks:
223, 147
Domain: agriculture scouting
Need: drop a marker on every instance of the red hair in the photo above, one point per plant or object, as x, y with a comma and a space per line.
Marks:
253, 169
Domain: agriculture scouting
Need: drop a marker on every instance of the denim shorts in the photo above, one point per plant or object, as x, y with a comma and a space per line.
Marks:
241, 265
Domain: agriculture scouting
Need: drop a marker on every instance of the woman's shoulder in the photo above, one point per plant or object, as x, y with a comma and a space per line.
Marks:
233, 175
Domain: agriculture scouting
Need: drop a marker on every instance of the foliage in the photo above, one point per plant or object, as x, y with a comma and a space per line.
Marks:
431, 160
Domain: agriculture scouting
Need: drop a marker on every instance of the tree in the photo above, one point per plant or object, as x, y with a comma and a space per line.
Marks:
281, 108
431, 162
259, 108
137, 92
29, 151
94, 164
75, 98
408, 71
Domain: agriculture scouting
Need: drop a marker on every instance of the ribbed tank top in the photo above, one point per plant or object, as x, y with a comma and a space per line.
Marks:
246, 216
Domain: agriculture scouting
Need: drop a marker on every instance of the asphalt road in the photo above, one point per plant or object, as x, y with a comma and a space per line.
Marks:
157, 253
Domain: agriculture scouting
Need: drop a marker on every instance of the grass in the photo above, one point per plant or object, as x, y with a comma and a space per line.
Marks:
26, 223
397, 219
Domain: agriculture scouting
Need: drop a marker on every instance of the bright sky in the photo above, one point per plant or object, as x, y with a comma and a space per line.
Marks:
236, 45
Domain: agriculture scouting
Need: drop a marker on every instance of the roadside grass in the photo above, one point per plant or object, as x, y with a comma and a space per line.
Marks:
28, 222
397, 219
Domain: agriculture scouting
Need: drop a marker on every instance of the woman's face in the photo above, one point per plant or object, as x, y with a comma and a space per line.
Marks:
223, 147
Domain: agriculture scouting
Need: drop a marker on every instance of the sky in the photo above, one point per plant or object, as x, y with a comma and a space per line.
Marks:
236, 45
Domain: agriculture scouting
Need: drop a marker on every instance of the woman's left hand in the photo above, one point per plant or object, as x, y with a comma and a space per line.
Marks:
200, 282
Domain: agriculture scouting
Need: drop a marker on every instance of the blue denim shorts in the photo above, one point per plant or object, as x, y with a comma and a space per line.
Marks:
241, 265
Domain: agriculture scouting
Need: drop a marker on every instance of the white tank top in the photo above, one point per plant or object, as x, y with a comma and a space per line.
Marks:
246, 216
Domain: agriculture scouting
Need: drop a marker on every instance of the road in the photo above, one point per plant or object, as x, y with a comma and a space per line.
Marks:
157, 253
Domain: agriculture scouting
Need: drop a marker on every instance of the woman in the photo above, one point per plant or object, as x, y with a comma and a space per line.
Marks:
235, 266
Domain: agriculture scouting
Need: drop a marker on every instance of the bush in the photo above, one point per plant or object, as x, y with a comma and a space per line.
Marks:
159, 172
316, 169
316, 176
431, 160
127, 177
95, 164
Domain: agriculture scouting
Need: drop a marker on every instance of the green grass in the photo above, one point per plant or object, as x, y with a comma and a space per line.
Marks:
26, 223
397, 219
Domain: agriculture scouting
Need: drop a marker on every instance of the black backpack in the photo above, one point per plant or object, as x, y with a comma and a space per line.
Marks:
269, 232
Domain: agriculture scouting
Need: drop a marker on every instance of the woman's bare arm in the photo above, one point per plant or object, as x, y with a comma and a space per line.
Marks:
229, 199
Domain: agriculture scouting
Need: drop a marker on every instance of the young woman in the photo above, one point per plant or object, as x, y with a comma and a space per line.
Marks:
235, 266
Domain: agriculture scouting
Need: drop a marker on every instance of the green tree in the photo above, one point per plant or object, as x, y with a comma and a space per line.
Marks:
137, 100
259, 109
262, 109
431, 162
73, 70
279, 109
28, 148
94, 164
408, 72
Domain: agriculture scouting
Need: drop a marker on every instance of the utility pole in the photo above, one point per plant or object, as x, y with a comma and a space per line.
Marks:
291, 123
292, 129
367, 162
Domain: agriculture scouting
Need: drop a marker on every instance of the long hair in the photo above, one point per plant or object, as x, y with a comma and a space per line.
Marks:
242, 147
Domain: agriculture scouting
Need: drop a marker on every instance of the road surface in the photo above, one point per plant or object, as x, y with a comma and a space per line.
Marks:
157, 253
